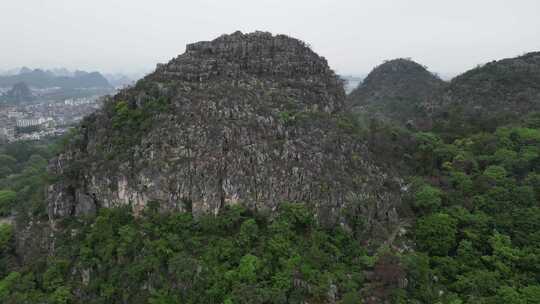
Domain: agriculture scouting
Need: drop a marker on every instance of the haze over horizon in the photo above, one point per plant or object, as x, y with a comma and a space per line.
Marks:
354, 36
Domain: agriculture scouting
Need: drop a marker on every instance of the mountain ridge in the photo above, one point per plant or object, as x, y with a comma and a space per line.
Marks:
499, 92
46, 79
483, 98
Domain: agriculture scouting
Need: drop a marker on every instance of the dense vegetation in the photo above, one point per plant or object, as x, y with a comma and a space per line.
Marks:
475, 237
237, 257
23, 177
478, 207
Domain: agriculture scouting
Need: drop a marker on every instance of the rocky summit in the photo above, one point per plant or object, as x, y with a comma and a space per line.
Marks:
245, 118
400, 89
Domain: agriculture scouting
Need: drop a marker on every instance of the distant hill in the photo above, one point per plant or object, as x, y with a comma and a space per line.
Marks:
61, 72
45, 79
398, 89
352, 82
493, 94
19, 93
120, 80
480, 99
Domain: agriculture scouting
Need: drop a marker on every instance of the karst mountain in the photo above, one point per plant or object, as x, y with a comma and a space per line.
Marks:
252, 119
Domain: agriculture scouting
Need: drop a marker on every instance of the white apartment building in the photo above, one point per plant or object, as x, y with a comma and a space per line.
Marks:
30, 122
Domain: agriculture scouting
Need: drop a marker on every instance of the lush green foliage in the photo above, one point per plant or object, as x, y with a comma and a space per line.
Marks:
22, 178
236, 257
476, 234
478, 230
131, 120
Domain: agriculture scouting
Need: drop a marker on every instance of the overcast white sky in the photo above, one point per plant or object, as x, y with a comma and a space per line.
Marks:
354, 35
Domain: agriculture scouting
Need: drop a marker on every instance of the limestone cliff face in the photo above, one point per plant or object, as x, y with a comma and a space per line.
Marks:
245, 118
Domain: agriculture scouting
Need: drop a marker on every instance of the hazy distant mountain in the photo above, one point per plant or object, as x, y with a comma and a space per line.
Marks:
118, 80
13, 71
45, 79
19, 93
352, 81
23, 70
62, 72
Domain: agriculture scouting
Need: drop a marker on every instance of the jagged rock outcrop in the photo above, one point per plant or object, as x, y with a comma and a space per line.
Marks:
400, 90
493, 94
245, 118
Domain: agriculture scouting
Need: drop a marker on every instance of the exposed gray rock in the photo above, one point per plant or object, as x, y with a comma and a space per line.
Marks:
250, 118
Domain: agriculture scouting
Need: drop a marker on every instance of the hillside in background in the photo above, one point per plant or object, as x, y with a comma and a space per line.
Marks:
400, 90
19, 93
53, 85
121, 80
43, 79
351, 82
493, 94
